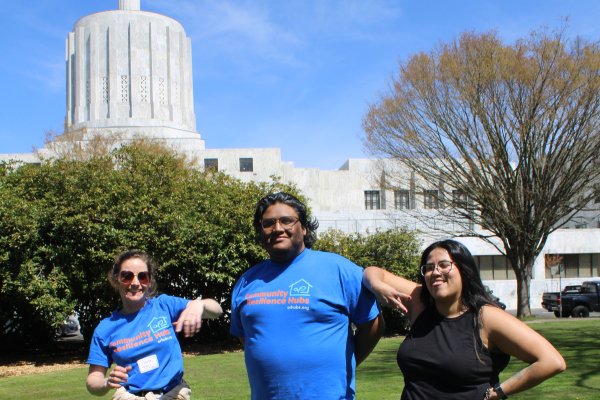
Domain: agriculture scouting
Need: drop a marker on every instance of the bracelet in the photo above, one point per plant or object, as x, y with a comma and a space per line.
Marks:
487, 394
499, 391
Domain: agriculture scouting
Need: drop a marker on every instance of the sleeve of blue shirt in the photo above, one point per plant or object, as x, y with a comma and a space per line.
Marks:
236, 328
362, 304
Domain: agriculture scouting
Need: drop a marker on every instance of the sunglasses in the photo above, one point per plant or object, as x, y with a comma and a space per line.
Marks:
126, 277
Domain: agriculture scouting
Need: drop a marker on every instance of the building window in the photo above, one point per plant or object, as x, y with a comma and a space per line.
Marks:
583, 265
402, 199
124, 88
580, 223
372, 200
494, 268
211, 164
161, 91
246, 164
143, 89
105, 92
460, 199
431, 199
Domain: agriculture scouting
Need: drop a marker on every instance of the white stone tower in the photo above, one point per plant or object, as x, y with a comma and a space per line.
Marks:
129, 73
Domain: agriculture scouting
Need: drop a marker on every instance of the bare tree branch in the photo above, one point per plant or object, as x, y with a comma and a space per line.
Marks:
513, 129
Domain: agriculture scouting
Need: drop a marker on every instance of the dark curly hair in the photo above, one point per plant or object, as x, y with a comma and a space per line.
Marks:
306, 220
113, 274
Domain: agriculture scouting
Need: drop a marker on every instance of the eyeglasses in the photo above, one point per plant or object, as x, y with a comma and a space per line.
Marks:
126, 277
443, 267
285, 222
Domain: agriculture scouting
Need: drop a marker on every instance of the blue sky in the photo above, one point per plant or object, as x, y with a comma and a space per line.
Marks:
293, 74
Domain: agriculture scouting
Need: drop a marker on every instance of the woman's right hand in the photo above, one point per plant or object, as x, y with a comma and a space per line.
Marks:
390, 297
118, 376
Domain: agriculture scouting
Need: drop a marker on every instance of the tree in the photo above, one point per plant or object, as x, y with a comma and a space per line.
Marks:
512, 128
396, 250
63, 221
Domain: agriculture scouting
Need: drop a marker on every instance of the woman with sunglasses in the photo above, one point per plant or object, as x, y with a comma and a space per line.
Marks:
459, 340
140, 336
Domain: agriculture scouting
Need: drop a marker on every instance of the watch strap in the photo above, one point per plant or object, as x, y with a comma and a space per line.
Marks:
499, 391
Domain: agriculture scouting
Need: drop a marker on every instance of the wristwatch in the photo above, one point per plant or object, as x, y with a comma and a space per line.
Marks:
499, 391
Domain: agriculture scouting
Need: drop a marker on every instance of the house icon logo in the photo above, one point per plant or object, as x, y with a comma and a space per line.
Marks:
300, 288
158, 324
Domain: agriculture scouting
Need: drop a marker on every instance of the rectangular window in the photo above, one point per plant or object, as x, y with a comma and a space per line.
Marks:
246, 164
402, 199
589, 288
431, 199
502, 269
494, 268
585, 265
554, 265
486, 268
571, 265
211, 164
372, 200
460, 199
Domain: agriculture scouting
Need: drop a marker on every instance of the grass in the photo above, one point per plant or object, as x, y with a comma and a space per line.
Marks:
223, 376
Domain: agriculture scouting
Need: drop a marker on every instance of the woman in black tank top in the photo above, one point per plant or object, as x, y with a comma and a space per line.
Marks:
459, 340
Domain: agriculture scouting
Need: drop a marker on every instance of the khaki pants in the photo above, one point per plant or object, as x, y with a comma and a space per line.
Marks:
177, 393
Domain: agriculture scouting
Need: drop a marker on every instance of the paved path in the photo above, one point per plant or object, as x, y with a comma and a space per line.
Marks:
542, 314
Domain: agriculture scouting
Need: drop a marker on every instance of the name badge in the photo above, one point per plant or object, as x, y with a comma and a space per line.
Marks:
147, 363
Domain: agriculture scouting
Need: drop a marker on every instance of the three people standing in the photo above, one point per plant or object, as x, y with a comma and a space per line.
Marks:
306, 320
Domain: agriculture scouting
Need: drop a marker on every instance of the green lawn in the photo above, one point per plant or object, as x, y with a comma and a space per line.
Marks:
223, 376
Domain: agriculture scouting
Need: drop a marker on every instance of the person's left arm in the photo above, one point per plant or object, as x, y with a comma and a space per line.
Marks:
190, 319
511, 336
366, 337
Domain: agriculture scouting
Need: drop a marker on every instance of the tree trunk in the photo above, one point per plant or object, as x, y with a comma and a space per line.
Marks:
523, 276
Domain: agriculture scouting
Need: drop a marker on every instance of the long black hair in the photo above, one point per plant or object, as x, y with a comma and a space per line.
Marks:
307, 222
473, 295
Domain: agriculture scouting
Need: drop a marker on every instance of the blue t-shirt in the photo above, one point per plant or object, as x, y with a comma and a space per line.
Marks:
295, 319
145, 340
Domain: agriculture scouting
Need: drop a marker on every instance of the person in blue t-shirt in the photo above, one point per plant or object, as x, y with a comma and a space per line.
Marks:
304, 317
140, 336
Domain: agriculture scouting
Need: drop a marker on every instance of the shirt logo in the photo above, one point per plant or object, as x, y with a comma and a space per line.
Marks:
300, 288
298, 297
158, 324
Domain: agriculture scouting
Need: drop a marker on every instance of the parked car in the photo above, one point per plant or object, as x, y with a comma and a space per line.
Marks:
574, 300
68, 328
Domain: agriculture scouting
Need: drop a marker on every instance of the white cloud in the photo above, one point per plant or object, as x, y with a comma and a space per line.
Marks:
241, 30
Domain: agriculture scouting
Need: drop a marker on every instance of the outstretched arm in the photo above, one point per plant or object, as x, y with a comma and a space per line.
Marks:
366, 337
511, 336
190, 319
391, 290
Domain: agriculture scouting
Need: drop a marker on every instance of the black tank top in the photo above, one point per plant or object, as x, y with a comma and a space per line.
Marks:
443, 358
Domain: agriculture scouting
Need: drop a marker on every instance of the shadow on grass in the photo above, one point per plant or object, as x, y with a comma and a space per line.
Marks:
579, 343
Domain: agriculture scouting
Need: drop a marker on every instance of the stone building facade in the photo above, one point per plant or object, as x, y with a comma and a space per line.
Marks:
129, 73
